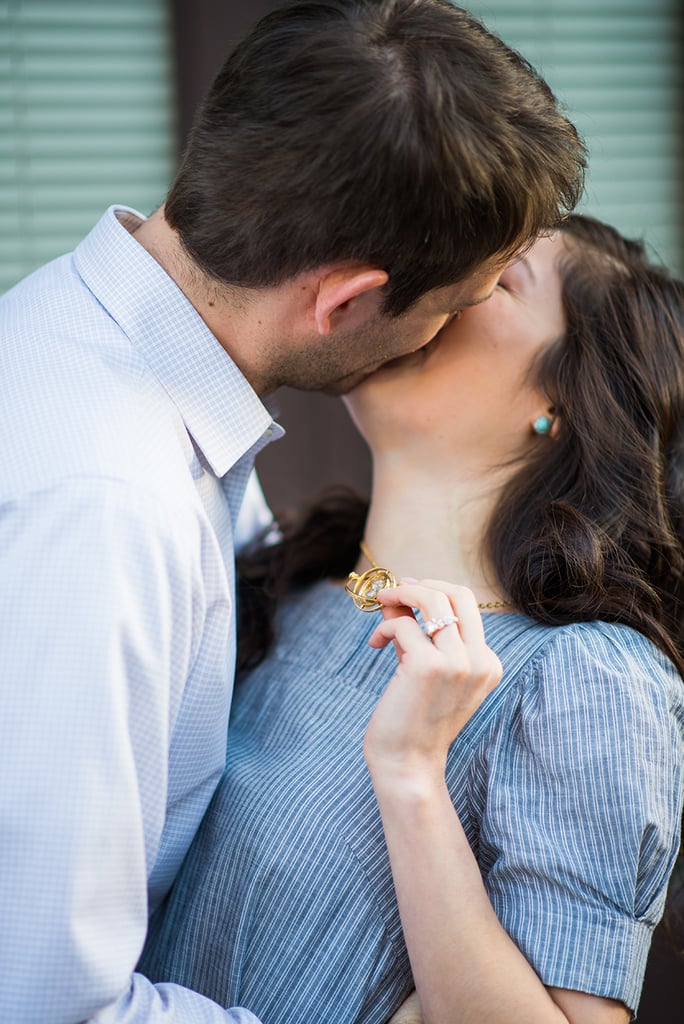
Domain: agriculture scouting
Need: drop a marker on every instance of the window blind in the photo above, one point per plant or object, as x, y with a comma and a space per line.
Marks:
86, 120
617, 68
86, 111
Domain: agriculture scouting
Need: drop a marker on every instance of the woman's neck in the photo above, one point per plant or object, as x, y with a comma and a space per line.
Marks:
431, 526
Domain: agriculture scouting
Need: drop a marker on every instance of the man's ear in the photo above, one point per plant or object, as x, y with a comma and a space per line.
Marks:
344, 295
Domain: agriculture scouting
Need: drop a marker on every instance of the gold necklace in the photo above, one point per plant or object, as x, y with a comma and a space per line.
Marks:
363, 588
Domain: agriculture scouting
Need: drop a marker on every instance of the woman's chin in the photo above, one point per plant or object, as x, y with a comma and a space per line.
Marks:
412, 360
392, 369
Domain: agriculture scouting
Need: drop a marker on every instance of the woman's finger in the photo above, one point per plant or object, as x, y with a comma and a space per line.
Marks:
406, 633
393, 611
438, 685
450, 655
437, 599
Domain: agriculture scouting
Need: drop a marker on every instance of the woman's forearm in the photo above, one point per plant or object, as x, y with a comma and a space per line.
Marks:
465, 966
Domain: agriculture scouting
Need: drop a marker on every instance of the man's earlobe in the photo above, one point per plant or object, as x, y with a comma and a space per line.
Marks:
339, 293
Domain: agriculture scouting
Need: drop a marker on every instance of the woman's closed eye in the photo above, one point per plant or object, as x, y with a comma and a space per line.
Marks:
511, 279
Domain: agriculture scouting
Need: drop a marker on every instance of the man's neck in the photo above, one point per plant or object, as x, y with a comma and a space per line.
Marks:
223, 310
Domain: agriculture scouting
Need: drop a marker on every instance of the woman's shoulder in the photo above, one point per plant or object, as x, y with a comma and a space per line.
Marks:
584, 665
611, 648
594, 642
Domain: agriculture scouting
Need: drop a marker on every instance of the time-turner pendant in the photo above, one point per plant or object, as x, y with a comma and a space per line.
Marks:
363, 588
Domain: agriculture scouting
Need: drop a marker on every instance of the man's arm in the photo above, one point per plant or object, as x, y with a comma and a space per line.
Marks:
96, 616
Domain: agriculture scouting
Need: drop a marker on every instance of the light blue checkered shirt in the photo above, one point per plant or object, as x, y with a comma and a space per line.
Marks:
128, 436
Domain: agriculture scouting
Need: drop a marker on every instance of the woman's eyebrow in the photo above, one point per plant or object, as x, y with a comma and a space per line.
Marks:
523, 261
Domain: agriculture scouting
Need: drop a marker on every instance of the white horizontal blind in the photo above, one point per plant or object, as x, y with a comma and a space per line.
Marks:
86, 120
616, 65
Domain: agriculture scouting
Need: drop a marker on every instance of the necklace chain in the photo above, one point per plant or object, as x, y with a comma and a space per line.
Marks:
364, 587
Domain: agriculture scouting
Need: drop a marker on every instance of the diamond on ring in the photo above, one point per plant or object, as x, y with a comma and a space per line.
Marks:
433, 626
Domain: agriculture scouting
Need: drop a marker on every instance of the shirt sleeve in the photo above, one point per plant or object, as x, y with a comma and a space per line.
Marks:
581, 828
96, 614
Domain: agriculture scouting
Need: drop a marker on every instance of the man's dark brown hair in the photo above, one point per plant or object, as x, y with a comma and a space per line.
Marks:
398, 133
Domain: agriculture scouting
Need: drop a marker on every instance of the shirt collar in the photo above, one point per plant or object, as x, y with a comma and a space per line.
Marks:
221, 411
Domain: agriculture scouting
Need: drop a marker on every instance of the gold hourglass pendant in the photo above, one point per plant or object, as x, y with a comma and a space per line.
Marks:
363, 588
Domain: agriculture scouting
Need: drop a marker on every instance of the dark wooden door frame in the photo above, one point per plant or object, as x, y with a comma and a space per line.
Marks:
204, 33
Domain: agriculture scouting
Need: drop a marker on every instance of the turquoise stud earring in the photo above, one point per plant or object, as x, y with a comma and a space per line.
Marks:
542, 424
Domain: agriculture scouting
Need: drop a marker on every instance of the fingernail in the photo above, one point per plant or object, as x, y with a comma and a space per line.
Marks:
408, 579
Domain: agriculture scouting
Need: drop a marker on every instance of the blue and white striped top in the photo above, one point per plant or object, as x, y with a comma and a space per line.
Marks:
568, 782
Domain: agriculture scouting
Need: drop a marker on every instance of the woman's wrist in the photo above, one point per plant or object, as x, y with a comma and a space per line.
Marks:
407, 782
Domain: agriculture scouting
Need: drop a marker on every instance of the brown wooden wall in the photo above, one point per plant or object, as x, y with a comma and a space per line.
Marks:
321, 447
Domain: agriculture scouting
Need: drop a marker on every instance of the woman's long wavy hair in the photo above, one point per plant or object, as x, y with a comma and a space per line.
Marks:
591, 526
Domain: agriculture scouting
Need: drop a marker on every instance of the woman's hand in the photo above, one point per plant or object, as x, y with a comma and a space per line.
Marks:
452, 933
408, 1012
439, 683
